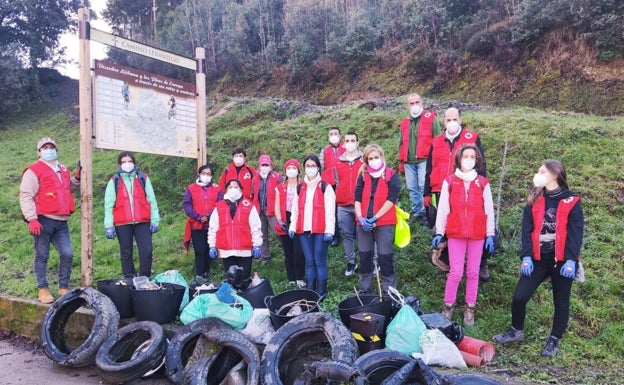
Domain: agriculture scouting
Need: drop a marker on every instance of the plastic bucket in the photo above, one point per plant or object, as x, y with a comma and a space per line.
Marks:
256, 295
160, 306
118, 290
370, 304
281, 304
194, 292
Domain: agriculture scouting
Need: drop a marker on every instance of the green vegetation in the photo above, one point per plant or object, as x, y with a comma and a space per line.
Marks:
590, 147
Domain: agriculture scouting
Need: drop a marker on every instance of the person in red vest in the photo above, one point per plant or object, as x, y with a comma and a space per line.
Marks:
417, 133
263, 192
131, 212
47, 202
550, 248
238, 169
376, 192
199, 201
234, 233
344, 176
329, 157
466, 217
284, 196
312, 220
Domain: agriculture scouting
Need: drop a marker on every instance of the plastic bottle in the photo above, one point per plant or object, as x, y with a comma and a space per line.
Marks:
256, 280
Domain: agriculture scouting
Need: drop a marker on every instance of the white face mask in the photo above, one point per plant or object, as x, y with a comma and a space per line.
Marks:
334, 139
416, 110
453, 127
540, 180
292, 173
127, 167
234, 194
311, 172
351, 146
238, 160
467, 164
375, 163
205, 179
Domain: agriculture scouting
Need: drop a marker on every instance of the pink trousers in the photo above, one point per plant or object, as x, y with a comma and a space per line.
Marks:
470, 251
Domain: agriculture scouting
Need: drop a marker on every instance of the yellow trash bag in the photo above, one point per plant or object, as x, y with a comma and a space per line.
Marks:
402, 234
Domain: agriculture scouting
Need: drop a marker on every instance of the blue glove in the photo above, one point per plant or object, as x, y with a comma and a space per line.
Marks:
366, 224
363, 221
283, 226
568, 269
328, 237
489, 244
110, 233
256, 252
436, 241
527, 266
153, 228
373, 219
212, 253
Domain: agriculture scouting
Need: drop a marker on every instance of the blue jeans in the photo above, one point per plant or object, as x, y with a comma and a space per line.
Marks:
57, 233
314, 250
346, 217
415, 181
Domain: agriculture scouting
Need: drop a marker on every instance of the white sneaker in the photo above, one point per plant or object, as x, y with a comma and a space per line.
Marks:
350, 269
301, 284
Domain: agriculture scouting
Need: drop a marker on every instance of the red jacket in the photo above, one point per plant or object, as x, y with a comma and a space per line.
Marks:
467, 218
561, 225
138, 212
381, 196
245, 176
442, 157
204, 200
54, 195
329, 158
234, 234
318, 208
347, 172
425, 136
273, 179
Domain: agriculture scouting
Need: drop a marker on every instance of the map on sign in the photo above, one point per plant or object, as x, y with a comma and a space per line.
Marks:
142, 112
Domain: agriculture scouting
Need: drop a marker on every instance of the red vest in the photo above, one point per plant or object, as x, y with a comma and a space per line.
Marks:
204, 201
234, 234
244, 177
318, 209
442, 157
347, 177
564, 207
381, 196
329, 158
425, 136
273, 180
467, 217
140, 211
54, 196
282, 190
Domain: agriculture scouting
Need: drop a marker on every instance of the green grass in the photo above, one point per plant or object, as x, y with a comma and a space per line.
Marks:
590, 147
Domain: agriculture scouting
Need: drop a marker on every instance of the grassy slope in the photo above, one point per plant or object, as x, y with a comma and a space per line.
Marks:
589, 146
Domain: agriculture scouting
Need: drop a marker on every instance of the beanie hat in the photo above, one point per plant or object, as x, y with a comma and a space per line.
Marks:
292, 162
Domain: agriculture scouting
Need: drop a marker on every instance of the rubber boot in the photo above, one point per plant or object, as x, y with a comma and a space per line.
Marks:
311, 284
321, 289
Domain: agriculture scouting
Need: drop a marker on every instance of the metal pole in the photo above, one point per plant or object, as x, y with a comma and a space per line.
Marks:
200, 79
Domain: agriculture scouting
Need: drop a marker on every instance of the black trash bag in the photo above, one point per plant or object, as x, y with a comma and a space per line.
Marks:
235, 277
451, 330
414, 302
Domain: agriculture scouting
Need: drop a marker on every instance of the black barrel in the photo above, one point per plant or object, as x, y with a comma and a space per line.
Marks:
160, 306
280, 304
370, 304
256, 295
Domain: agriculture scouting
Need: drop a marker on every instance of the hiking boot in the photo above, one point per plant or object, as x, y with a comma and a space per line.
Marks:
511, 335
469, 314
63, 291
350, 269
45, 296
552, 347
484, 273
447, 312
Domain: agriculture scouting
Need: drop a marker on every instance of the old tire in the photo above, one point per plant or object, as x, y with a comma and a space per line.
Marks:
378, 365
183, 343
299, 333
133, 351
53, 336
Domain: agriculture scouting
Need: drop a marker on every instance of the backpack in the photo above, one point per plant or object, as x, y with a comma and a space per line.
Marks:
139, 174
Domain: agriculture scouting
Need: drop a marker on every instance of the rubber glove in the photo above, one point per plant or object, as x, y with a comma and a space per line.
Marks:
78, 171
328, 237
291, 234
568, 269
366, 225
527, 266
427, 200
153, 228
489, 244
282, 226
110, 233
224, 294
436, 241
34, 227
212, 253
372, 220
256, 252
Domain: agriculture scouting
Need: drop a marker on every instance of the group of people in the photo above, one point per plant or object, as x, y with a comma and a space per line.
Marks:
343, 192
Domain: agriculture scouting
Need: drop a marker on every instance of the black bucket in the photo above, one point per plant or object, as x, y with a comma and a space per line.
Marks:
118, 290
194, 291
370, 304
278, 305
160, 306
256, 295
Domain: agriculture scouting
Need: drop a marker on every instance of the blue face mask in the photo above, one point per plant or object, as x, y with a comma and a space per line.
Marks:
48, 154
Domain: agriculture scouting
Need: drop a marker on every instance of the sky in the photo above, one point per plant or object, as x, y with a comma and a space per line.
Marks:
70, 42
